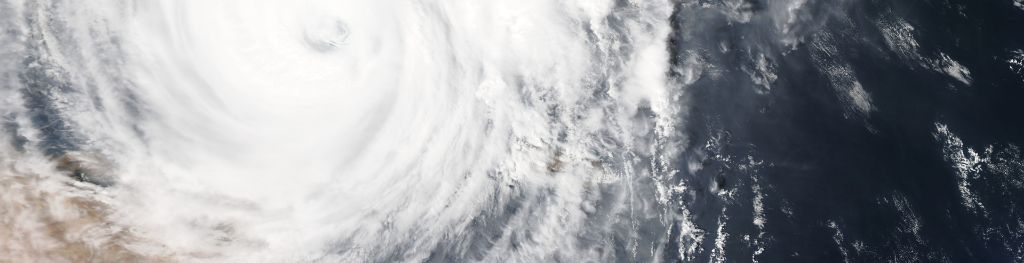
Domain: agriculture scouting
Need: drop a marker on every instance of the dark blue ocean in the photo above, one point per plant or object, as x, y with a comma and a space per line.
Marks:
512, 131
930, 171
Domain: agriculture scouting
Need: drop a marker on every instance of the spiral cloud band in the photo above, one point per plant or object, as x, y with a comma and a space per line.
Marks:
335, 130
511, 131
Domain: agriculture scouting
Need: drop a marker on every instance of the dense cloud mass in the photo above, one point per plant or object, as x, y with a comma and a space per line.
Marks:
511, 131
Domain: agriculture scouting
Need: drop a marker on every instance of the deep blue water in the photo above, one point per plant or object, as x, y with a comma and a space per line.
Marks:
841, 185
834, 131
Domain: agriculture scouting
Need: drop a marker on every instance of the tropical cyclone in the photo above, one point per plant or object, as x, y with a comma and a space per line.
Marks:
337, 130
